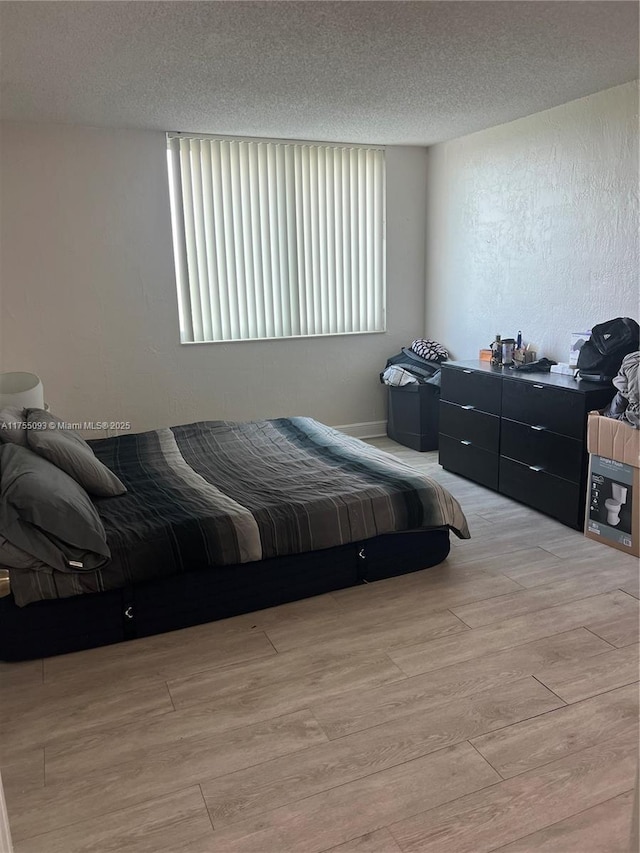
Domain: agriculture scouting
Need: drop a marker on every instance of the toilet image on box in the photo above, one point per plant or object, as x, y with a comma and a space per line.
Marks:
614, 504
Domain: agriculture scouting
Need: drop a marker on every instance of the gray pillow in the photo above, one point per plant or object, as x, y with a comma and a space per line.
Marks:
13, 422
48, 436
46, 514
15, 558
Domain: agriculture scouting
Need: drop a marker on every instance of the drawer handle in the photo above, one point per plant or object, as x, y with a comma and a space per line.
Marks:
536, 468
538, 386
467, 371
538, 428
466, 443
468, 407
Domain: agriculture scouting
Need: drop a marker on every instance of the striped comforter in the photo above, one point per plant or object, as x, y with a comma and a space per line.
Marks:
222, 493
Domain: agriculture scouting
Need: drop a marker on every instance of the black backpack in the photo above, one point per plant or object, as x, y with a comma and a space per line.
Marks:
601, 356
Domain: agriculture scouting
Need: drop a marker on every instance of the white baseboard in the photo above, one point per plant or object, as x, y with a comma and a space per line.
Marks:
369, 429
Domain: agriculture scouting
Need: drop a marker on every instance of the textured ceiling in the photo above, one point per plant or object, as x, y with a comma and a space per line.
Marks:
386, 72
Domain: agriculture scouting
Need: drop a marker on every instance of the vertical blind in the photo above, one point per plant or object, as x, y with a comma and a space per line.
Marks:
276, 239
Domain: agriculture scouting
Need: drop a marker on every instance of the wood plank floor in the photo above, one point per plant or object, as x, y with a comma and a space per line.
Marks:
489, 703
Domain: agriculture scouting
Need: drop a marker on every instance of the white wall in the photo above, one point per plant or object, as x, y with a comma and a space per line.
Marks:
88, 293
532, 225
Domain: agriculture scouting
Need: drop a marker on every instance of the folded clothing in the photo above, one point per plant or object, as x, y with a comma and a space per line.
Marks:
398, 376
425, 372
625, 406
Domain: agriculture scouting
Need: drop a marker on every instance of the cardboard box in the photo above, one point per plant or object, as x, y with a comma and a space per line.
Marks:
614, 469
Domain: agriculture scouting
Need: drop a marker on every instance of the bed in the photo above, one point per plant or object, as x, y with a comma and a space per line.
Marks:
222, 518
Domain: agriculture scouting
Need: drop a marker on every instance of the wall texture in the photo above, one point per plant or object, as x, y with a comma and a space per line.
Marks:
89, 303
532, 225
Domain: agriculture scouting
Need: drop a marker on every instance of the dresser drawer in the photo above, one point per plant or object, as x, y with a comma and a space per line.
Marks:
555, 454
542, 405
465, 422
471, 388
469, 461
551, 495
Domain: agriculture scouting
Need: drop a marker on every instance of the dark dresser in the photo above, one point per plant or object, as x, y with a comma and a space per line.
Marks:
522, 434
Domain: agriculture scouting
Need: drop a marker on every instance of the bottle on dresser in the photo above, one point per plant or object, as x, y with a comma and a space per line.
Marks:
496, 351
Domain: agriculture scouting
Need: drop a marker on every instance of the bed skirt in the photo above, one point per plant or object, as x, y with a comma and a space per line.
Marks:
47, 628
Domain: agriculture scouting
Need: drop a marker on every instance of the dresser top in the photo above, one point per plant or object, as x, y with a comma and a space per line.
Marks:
542, 377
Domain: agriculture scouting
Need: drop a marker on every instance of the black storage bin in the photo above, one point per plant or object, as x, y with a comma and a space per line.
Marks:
413, 415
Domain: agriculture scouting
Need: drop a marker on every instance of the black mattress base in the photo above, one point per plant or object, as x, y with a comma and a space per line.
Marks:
65, 625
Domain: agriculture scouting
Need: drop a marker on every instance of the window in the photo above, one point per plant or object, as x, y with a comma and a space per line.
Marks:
276, 239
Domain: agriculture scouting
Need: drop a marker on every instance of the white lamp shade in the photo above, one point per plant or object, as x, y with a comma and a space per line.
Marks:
21, 390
